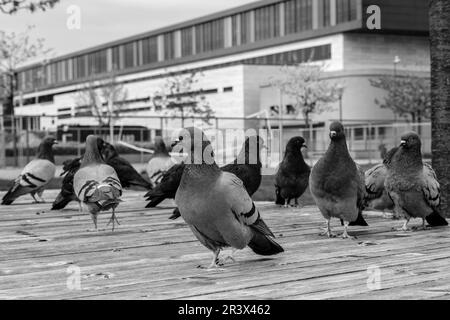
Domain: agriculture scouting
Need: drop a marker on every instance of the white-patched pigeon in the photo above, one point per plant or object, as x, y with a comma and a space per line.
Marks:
291, 179
160, 162
96, 184
337, 183
216, 205
36, 175
412, 185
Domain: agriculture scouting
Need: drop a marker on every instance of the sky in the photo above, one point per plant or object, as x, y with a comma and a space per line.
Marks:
106, 20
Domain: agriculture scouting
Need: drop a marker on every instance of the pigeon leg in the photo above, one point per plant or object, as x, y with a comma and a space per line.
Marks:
345, 235
328, 232
424, 226
405, 226
229, 257
113, 219
286, 203
215, 262
40, 193
80, 208
94, 219
34, 197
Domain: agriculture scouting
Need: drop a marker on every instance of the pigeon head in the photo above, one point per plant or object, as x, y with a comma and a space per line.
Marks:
250, 152
160, 146
92, 153
295, 145
107, 150
49, 141
196, 145
45, 150
410, 140
337, 131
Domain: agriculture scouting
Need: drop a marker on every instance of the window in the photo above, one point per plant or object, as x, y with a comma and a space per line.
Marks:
298, 16
186, 42
246, 28
227, 89
169, 50
129, 53
97, 62
324, 13
149, 50
345, 10
209, 36
267, 22
117, 63
235, 30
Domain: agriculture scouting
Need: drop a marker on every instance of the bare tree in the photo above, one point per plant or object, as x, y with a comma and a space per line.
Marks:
305, 84
406, 95
105, 98
13, 6
439, 14
178, 97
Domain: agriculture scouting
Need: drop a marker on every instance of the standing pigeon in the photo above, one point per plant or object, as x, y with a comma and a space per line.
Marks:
160, 162
412, 185
96, 184
247, 167
127, 174
216, 205
337, 184
376, 195
66, 195
36, 175
291, 179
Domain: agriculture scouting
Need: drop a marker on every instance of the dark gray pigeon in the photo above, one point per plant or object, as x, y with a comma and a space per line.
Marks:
337, 183
412, 185
291, 179
376, 195
216, 205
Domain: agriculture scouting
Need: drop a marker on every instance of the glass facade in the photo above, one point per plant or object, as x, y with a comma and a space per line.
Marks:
266, 22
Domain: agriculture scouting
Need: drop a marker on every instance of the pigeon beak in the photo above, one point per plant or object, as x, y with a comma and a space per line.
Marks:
403, 143
175, 143
333, 134
304, 146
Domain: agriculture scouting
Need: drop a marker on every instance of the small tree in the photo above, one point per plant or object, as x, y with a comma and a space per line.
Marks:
178, 97
12, 6
406, 95
305, 84
105, 98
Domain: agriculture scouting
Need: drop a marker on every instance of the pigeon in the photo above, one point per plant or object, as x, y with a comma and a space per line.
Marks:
128, 176
291, 179
412, 185
160, 162
66, 195
216, 205
245, 167
376, 195
337, 183
96, 184
35, 176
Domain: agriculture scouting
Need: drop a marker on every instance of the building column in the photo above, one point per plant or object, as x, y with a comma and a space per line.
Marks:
227, 32
315, 15
282, 19
177, 43
252, 26
194, 47
333, 12
160, 41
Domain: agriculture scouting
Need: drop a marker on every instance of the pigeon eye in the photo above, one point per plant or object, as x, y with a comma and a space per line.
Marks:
180, 138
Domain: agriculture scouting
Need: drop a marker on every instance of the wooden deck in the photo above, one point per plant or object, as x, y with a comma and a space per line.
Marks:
151, 257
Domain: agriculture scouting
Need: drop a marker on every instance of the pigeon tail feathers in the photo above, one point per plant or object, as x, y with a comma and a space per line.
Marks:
435, 219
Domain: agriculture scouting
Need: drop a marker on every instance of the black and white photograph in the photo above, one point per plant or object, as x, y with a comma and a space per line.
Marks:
249, 151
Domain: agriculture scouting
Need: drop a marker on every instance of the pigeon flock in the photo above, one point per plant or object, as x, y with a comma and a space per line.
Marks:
216, 201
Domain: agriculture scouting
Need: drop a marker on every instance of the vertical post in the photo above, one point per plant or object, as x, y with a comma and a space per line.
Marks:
280, 127
27, 139
2, 139
142, 140
79, 142
13, 129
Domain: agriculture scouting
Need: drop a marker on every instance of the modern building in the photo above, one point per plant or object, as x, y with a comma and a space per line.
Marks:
237, 52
